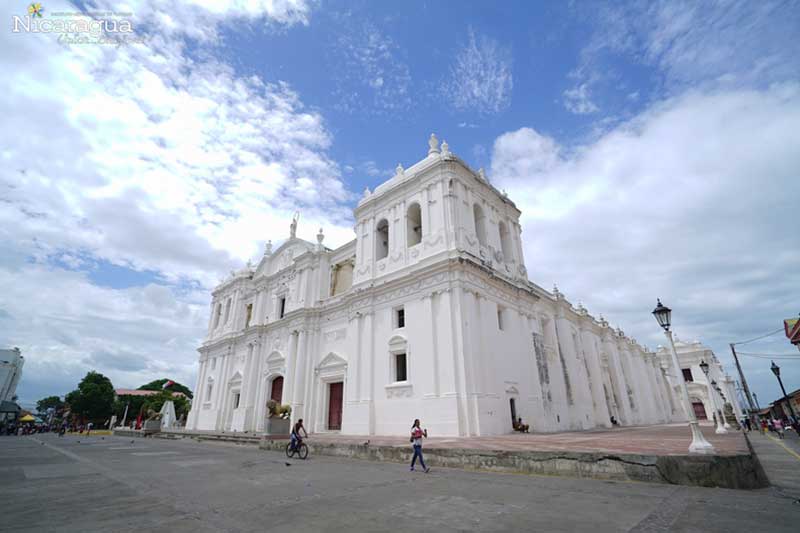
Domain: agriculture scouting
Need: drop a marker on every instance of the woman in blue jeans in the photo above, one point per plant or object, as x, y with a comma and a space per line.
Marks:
416, 439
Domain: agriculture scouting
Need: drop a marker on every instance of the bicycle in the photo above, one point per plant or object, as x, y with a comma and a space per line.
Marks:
301, 450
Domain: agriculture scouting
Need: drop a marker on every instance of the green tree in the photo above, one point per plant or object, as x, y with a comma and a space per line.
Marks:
51, 401
156, 402
93, 399
158, 385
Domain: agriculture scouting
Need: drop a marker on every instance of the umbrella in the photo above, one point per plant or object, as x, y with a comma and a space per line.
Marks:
27, 418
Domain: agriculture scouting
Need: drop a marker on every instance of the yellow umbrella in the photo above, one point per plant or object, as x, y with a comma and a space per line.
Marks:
27, 418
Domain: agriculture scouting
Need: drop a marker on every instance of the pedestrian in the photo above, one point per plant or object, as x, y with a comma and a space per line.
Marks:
417, 433
778, 425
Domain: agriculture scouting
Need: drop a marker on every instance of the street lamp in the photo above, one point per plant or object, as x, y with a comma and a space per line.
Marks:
710, 387
699, 443
777, 371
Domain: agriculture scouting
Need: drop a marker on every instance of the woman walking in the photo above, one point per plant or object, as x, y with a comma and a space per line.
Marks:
416, 439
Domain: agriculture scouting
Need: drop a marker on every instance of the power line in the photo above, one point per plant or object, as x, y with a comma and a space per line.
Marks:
761, 337
779, 358
771, 354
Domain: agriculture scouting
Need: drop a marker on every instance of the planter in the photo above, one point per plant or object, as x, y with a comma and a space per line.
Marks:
277, 426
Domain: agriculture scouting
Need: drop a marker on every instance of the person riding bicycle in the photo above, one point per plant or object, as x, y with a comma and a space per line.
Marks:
296, 440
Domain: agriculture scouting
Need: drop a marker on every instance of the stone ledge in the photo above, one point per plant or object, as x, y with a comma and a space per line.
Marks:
726, 471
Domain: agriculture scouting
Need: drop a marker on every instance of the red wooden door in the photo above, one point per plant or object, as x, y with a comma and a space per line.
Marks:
699, 410
335, 405
277, 389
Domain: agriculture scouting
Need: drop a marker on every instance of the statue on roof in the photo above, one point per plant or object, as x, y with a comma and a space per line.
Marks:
293, 226
433, 145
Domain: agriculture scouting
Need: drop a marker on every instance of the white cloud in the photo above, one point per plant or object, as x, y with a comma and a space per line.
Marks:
691, 201
713, 45
578, 100
150, 158
370, 75
480, 77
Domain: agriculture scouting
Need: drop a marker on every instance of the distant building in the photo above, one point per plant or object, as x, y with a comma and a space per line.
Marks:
11, 362
690, 355
792, 328
138, 392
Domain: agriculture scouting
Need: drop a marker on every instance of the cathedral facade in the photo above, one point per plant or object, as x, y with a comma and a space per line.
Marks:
428, 313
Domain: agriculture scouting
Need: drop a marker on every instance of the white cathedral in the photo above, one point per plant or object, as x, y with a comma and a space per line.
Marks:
428, 313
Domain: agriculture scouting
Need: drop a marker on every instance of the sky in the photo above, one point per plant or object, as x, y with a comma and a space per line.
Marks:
652, 148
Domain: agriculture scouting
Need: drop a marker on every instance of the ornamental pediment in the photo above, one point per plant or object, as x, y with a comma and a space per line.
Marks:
332, 360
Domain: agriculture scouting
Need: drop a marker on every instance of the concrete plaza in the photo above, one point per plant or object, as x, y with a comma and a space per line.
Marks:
124, 484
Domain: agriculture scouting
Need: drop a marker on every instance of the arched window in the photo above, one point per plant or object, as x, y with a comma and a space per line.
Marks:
217, 315
414, 224
382, 239
227, 310
505, 241
480, 224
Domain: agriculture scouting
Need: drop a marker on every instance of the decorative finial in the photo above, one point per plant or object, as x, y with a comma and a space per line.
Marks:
268, 248
603, 321
582, 310
433, 145
505, 193
320, 238
556, 292
293, 225
482, 174
445, 148
399, 171
367, 192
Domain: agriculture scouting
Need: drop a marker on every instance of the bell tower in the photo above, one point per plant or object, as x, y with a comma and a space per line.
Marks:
436, 209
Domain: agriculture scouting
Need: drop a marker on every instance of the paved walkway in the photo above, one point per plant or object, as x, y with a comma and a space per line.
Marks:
780, 459
101, 484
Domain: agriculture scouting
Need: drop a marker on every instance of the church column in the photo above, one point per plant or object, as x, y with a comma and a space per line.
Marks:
288, 379
470, 390
299, 376
252, 386
426, 221
199, 390
601, 415
617, 378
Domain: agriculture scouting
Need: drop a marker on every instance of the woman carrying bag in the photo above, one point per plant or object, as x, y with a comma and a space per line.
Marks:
417, 434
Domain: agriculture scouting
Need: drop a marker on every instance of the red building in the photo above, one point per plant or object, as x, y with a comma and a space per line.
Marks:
792, 327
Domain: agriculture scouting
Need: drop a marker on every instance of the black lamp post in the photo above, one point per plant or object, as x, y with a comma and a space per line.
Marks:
663, 315
777, 371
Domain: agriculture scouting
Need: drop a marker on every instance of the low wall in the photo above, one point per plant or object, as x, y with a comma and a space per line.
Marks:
727, 471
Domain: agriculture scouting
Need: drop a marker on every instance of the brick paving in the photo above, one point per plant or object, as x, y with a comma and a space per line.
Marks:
671, 439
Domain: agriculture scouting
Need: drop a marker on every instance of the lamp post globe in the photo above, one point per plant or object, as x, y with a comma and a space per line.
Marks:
663, 315
699, 445
704, 367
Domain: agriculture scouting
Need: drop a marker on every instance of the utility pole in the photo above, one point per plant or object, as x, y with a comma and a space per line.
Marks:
744, 382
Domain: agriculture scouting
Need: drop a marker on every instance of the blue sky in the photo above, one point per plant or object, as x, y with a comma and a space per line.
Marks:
651, 147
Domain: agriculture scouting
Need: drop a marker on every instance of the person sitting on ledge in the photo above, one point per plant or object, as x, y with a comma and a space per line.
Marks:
519, 426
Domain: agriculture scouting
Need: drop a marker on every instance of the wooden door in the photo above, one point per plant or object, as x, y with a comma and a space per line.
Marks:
699, 410
335, 405
277, 389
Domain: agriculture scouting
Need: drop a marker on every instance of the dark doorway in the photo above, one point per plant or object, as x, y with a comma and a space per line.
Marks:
513, 411
699, 411
277, 389
335, 405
